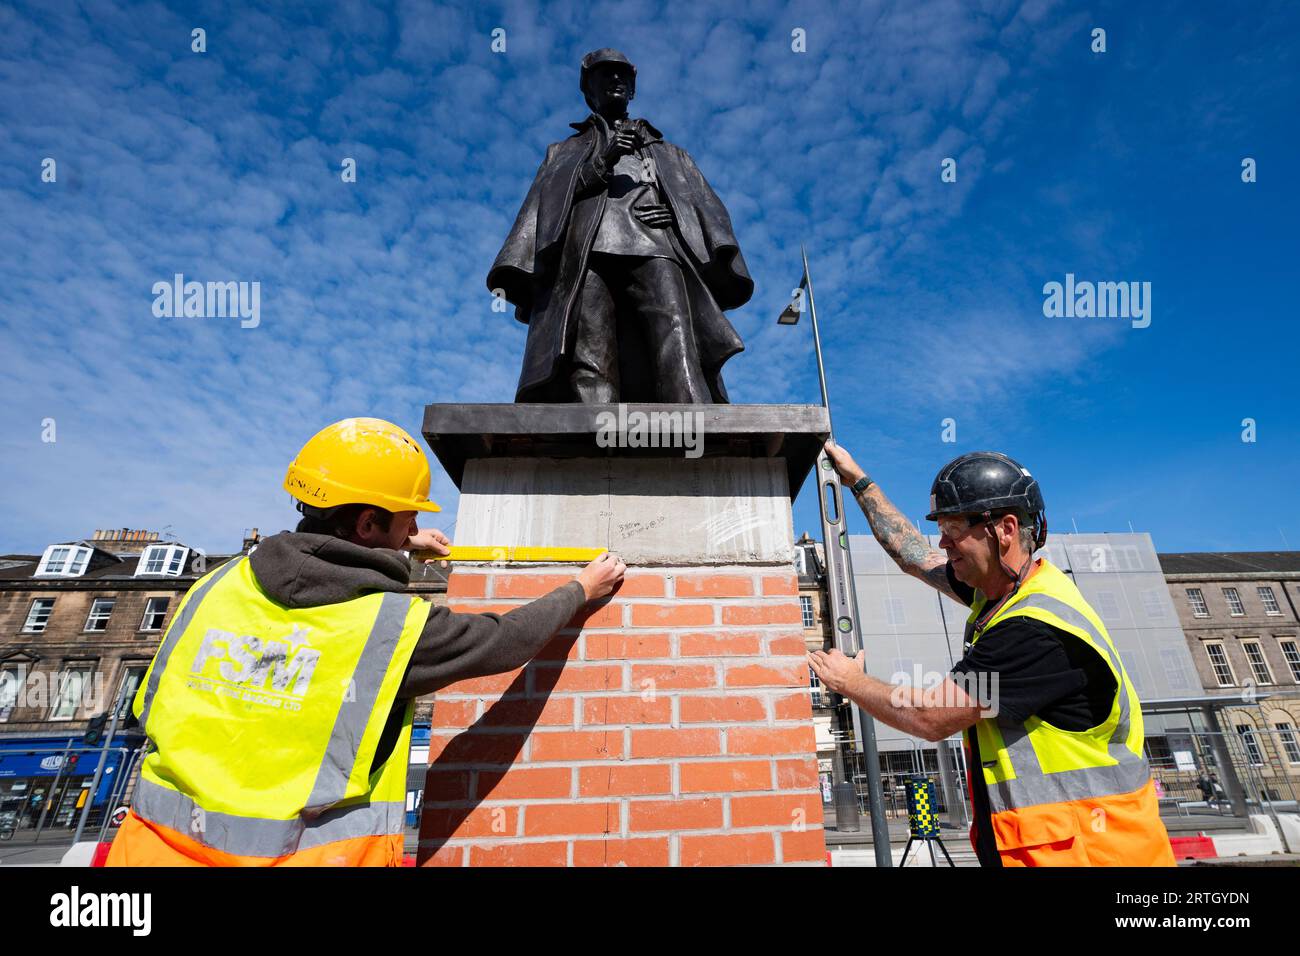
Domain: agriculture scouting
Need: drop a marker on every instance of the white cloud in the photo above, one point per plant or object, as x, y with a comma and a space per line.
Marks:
225, 165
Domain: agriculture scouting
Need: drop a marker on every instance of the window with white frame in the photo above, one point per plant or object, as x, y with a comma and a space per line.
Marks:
1251, 743
38, 615
1197, 600
1286, 734
155, 612
806, 609
1258, 666
1235, 607
101, 609
73, 684
800, 561
1153, 603
816, 685
164, 559
1291, 654
127, 690
1219, 662
1268, 599
63, 561
11, 680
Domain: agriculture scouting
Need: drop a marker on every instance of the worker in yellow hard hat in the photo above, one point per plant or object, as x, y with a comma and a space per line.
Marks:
364, 480
279, 705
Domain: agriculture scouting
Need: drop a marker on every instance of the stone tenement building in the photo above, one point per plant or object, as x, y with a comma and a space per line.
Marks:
1238, 611
83, 619
79, 624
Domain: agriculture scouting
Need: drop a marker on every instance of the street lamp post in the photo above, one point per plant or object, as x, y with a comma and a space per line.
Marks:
105, 744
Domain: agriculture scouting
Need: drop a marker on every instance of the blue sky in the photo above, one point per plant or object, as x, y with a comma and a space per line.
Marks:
1120, 166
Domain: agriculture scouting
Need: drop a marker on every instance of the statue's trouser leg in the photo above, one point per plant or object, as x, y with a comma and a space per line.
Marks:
595, 352
656, 294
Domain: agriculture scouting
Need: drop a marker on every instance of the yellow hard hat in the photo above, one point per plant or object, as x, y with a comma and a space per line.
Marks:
365, 461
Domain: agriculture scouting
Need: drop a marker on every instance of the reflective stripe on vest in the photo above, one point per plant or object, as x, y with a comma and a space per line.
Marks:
336, 769
1031, 784
304, 729
173, 636
251, 836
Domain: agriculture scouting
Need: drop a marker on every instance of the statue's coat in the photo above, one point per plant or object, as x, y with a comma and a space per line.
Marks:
542, 263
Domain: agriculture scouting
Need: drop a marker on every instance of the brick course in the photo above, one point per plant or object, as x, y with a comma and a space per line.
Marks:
677, 732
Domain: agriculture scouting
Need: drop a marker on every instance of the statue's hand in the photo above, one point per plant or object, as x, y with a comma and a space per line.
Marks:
620, 144
656, 216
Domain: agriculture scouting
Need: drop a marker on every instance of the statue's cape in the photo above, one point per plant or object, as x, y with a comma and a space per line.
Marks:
542, 263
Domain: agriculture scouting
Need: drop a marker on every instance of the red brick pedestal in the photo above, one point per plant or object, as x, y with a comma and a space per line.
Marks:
670, 727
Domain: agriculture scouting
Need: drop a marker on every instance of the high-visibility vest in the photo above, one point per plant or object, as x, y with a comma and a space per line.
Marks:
263, 723
1064, 797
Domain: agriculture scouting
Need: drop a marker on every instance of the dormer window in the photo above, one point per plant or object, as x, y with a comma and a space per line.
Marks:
162, 559
63, 560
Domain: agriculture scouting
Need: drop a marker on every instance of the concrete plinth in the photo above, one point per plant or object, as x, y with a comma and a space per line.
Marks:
651, 511
793, 434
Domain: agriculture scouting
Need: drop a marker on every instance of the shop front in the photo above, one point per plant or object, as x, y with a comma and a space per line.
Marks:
45, 781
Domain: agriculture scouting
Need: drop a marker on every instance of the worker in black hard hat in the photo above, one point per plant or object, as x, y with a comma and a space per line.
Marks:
1051, 723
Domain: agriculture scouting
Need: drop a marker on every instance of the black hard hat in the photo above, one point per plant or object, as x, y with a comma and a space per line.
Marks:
984, 481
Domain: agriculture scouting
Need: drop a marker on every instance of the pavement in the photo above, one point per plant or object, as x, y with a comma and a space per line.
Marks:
849, 848
856, 848
24, 850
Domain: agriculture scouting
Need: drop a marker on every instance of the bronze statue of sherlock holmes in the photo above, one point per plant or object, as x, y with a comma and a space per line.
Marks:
621, 262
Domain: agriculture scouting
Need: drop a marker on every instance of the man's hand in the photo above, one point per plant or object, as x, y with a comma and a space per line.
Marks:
656, 216
848, 469
836, 671
430, 539
600, 577
620, 144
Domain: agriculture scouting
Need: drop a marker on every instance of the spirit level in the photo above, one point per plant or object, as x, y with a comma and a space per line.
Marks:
514, 554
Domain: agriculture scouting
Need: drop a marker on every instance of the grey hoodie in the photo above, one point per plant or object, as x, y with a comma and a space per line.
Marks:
308, 570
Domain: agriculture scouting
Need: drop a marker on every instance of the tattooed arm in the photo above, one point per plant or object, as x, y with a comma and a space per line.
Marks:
900, 539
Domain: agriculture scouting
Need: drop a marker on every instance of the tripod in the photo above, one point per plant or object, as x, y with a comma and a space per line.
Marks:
922, 823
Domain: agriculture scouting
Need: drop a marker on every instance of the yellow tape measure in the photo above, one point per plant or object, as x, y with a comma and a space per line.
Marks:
518, 553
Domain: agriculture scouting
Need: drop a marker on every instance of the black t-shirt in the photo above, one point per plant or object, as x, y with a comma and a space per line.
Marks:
1043, 671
